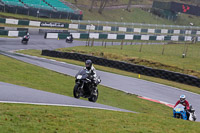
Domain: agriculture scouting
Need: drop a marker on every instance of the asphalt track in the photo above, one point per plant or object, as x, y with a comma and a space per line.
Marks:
17, 94
127, 84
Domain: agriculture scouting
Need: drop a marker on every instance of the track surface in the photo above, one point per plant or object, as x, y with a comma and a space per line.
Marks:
123, 83
18, 94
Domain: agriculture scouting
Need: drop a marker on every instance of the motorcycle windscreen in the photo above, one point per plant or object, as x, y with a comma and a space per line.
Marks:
84, 73
179, 108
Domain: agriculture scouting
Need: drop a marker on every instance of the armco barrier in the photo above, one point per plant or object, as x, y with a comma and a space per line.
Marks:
178, 30
164, 74
13, 33
120, 36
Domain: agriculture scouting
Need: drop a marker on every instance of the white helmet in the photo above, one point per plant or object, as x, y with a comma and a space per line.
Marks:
182, 98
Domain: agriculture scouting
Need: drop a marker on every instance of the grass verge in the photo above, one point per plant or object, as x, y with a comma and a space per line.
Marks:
32, 119
117, 71
26, 17
137, 15
168, 56
153, 117
4, 36
25, 74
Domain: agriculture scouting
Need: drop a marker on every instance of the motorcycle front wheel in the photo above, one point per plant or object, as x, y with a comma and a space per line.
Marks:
94, 98
75, 91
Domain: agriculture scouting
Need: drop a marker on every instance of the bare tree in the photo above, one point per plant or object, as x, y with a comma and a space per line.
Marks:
75, 1
91, 6
129, 5
102, 5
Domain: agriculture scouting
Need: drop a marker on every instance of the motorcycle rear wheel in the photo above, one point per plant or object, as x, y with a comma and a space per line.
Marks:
75, 91
25, 42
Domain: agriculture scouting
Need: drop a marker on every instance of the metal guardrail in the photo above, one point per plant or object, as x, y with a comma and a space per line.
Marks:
106, 23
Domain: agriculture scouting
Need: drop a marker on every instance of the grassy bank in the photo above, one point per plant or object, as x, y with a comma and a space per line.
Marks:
26, 17
137, 15
24, 74
29, 118
153, 117
117, 71
167, 56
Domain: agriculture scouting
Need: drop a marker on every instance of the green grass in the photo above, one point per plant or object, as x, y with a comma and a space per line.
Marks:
125, 2
26, 17
25, 74
150, 55
88, 2
48, 119
117, 71
153, 117
136, 16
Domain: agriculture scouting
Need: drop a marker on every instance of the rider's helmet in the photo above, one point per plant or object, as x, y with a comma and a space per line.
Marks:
182, 98
88, 64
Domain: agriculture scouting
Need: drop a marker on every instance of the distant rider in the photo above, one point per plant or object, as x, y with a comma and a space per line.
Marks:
71, 37
27, 35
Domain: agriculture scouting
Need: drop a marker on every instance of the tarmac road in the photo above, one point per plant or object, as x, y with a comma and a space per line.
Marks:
17, 94
127, 84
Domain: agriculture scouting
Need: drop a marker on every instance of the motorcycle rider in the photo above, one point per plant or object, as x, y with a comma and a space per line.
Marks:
92, 71
27, 35
185, 103
25, 38
69, 38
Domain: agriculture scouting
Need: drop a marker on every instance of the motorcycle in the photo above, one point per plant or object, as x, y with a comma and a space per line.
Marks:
85, 86
25, 39
69, 39
181, 113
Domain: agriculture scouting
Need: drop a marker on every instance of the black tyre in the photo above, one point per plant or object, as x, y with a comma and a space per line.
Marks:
75, 91
25, 42
178, 116
94, 98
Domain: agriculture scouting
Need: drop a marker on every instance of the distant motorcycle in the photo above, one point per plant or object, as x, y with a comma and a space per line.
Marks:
69, 39
181, 113
25, 39
85, 87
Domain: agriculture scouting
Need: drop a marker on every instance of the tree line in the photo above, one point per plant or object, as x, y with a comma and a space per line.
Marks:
102, 4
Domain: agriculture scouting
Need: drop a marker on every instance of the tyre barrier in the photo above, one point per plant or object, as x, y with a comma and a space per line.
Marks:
158, 73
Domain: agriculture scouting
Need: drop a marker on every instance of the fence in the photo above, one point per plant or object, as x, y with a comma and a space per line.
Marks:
181, 30
163, 74
13, 33
107, 23
124, 37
